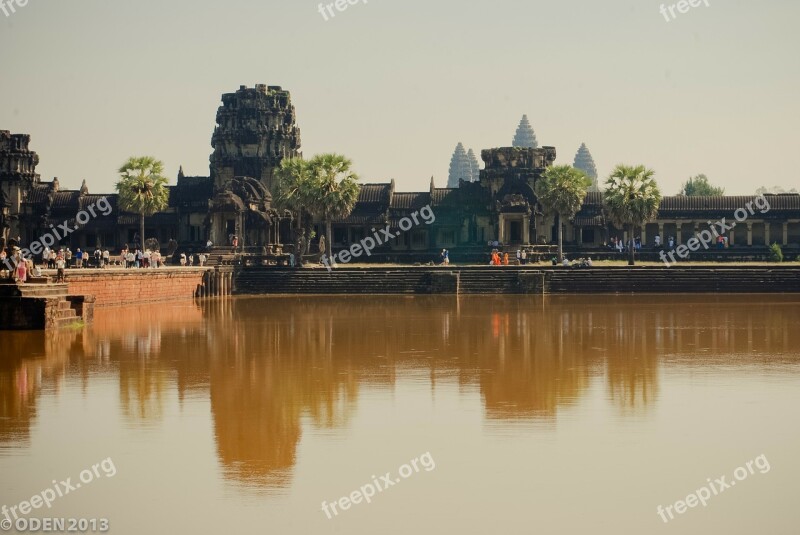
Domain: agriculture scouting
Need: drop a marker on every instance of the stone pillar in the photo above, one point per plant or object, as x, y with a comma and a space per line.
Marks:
731, 233
579, 235
767, 239
501, 228
749, 234
678, 233
785, 233
644, 236
661, 231
526, 230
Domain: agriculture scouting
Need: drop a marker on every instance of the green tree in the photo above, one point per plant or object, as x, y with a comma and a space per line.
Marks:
631, 199
142, 188
293, 190
561, 190
334, 190
700, 186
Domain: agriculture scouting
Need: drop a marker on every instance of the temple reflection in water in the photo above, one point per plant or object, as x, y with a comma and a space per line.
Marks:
269, 366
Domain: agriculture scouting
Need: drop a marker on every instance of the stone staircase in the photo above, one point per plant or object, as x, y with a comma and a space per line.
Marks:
41, 306
727, 279
519, 280
340, 281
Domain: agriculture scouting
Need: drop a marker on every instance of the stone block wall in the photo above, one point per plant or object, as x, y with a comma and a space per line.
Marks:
132, 287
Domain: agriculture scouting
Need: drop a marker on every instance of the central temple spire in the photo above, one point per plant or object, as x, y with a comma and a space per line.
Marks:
525, 137
255, 131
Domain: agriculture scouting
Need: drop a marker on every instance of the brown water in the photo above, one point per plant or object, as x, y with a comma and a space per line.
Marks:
542, 415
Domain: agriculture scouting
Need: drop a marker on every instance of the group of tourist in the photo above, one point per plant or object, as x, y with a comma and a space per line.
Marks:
669, 243
20, 269
188, 260
620, 245
82, 259
138, 259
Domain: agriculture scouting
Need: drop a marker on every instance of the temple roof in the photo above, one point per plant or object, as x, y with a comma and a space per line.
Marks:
66, 198
191, 191
375, 193
445, 197
712, 205
410, 201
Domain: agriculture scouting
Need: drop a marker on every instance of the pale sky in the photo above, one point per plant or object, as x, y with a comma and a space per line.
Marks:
395, 85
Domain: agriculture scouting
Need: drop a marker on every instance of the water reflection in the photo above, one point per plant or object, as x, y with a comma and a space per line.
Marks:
268, 366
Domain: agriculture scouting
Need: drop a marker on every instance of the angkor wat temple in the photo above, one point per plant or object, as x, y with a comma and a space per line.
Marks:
256, 129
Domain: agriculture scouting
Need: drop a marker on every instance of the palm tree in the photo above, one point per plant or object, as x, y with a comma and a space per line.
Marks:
292, 185
631, 199
142, 188
335, 191
293, 189
562, 190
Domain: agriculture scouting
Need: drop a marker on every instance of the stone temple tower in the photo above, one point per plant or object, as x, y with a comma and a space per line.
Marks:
17, 177
255, 131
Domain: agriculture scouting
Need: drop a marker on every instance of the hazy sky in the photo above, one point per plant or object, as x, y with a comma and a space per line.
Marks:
395, 85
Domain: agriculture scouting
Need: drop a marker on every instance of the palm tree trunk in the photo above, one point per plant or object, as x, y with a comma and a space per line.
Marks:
329, 239
141, 232
560, 239
631, 243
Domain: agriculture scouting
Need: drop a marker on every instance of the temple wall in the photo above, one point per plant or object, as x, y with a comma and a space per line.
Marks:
112, 288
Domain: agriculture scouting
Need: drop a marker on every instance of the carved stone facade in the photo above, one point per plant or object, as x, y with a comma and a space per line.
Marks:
17, 178
510, 176
256, 129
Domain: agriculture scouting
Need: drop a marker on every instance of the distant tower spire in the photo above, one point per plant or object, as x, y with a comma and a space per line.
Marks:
474, 167
460, 167
525, 137
180, 172
585, 162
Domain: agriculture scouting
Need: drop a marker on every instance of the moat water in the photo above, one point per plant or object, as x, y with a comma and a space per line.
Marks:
568, 415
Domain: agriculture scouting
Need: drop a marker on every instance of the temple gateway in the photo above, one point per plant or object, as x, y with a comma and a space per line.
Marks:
256, 129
